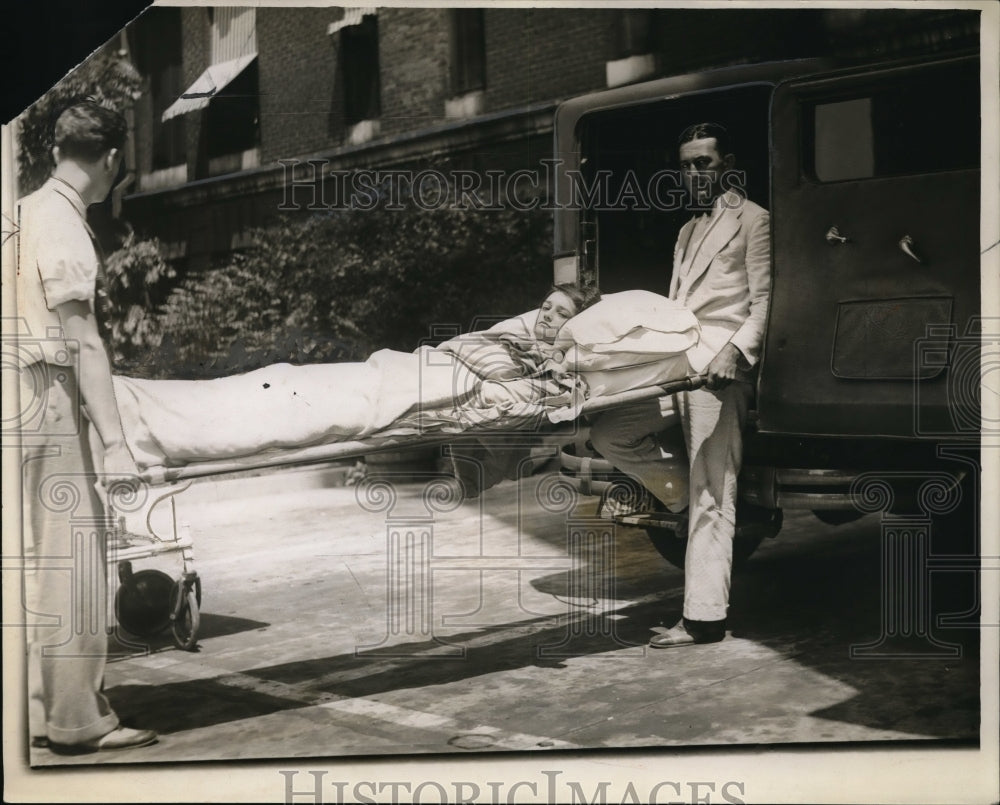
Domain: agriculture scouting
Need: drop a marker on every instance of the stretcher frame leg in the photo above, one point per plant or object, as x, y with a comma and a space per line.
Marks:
141, 595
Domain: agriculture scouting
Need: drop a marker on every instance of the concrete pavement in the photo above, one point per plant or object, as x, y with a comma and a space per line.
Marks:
394, 618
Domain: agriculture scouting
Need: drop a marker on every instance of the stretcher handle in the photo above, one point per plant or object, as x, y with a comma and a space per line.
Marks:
690, 383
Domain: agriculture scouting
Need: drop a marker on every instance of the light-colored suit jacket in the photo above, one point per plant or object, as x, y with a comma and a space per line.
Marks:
728, 282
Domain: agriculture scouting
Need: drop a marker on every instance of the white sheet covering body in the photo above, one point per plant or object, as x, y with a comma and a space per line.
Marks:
497, 377
173, 422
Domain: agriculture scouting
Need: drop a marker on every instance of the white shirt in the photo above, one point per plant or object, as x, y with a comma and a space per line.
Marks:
57, 264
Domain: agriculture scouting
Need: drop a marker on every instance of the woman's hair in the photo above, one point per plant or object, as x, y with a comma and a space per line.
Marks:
581, 296
88, 130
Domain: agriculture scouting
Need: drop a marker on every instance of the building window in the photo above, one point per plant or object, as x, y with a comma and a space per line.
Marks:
157, 47
468, 51
232, 121
633, 47
228, 92
634, 33
359, 67
233, 31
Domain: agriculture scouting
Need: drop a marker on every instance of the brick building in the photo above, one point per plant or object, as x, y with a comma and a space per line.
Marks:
233, 94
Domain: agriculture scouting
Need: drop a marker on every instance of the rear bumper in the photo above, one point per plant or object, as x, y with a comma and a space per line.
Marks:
765, 486
789, 488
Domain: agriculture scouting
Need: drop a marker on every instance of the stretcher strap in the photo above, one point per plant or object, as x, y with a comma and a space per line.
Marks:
584, 476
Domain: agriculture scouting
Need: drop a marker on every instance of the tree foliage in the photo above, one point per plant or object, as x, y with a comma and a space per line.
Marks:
341, 284
134, 271
107, 78
331, 287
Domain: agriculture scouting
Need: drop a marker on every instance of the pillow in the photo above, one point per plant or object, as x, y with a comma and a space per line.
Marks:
629, 340
617, 356
634, 376
634, 322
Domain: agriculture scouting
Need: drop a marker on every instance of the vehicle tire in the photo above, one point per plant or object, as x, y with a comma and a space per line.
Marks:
837, 516
673, 548
144, 602
185, 625
958, 532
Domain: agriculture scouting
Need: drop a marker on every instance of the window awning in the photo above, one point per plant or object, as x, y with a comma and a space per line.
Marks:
207, 85
352, 16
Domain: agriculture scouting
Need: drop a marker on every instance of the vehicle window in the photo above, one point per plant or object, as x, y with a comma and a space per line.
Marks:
927, 121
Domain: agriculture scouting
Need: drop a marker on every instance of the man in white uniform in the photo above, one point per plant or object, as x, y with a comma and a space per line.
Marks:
721, 272
64, 516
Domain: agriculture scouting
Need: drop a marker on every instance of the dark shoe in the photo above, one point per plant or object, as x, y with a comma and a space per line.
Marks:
39, 742
688, 633
118, 738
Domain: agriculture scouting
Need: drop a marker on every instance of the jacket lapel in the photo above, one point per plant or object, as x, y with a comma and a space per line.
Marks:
723, 231
718, 236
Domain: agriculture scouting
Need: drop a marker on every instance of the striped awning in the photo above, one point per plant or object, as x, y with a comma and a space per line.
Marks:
352, 16
207, 85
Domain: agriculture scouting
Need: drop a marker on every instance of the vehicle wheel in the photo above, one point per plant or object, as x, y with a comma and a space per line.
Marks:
958, 532
837, 516
673, 547
144, 601
186, 622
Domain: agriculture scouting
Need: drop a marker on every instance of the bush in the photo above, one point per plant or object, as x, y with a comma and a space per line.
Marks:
134, 271
339, 285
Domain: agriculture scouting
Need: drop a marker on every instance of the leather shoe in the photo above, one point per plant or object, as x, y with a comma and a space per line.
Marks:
684, 633
119, 738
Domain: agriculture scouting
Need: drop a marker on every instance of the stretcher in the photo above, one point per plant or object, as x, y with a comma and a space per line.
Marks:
150, 600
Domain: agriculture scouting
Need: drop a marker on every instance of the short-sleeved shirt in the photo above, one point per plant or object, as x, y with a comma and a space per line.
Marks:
57, 264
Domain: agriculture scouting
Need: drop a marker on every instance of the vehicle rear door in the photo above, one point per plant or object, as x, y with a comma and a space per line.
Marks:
873, 321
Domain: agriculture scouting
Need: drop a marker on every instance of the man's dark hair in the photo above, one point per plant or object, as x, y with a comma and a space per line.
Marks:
88, 130
704, 131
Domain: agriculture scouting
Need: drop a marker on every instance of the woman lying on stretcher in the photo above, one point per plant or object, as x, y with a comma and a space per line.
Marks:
561, 304
517, 366
501, 375
479, 464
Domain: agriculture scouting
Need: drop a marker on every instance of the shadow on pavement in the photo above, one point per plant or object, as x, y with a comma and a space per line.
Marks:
123, 645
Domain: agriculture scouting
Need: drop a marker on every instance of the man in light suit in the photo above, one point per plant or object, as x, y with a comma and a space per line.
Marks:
721, 272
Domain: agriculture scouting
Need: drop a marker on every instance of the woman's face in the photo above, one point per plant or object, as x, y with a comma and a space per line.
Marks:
555, 311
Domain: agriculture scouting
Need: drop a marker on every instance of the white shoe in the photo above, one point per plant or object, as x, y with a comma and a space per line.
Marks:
119, 738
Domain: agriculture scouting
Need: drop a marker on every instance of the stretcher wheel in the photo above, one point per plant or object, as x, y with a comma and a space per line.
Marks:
185, 615
143, 602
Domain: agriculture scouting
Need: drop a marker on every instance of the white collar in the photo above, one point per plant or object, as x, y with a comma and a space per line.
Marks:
68, 192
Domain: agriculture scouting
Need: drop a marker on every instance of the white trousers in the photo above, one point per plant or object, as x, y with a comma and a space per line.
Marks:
65, 582
645, 442
712, 423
